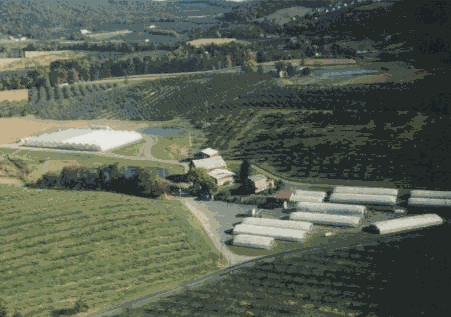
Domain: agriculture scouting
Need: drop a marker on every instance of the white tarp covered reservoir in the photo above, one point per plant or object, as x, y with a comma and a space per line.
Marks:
84, 139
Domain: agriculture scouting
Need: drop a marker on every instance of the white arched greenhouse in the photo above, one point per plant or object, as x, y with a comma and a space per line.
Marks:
332, 209
363, 199
276, 233
430, 194
429, 202
403, 224
366, 190
326, 219
252, 241
306, 226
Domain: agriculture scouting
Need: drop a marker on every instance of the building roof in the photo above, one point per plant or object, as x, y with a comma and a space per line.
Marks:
284, 194
220, 173
331, 280
210, 163
209, 151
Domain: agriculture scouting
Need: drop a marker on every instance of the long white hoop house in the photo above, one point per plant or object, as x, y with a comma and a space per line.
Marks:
429, 202
402, 224
305, 195
332, 209
363, 199
306, 226
276, 233
84, 139
366, 190
252, 241
430, 194
326, 219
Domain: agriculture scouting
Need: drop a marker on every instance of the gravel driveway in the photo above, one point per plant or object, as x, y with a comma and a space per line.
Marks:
216, 217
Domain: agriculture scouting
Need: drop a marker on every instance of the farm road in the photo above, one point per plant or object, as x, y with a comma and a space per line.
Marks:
145, 156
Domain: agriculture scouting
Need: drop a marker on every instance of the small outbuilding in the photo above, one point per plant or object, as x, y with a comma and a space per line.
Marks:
207, 153
209, 163
261, 182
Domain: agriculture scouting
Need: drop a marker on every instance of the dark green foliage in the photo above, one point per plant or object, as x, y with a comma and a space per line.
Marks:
244, 171
3, 310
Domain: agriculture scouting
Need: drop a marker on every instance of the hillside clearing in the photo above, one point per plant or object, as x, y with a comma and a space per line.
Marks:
105, 247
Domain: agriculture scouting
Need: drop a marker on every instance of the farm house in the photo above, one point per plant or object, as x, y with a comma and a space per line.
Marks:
216, 167
84, 139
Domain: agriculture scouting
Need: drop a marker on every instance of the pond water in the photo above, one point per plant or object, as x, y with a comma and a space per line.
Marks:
160, 131
342, 73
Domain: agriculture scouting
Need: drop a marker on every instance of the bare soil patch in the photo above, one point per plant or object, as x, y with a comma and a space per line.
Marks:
14, 95
13, 129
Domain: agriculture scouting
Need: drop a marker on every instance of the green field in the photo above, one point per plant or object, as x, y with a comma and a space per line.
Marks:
105, 247
130, 150
88, 160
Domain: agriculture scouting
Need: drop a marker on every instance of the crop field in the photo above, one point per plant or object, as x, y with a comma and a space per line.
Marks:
39, 59
107, 35
105, 247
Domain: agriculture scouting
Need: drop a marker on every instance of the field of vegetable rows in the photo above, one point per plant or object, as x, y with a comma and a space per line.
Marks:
105, 247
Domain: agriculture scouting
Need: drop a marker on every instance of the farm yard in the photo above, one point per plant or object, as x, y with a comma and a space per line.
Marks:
100, 246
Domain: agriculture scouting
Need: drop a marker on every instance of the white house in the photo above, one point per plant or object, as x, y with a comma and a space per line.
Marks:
84, 31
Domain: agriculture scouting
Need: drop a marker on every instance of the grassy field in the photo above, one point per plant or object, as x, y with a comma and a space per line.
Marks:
38, 158
180, 146
131, 149
105, 247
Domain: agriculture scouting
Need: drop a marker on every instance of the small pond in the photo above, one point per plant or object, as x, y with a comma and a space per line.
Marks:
342, 73
160, 131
